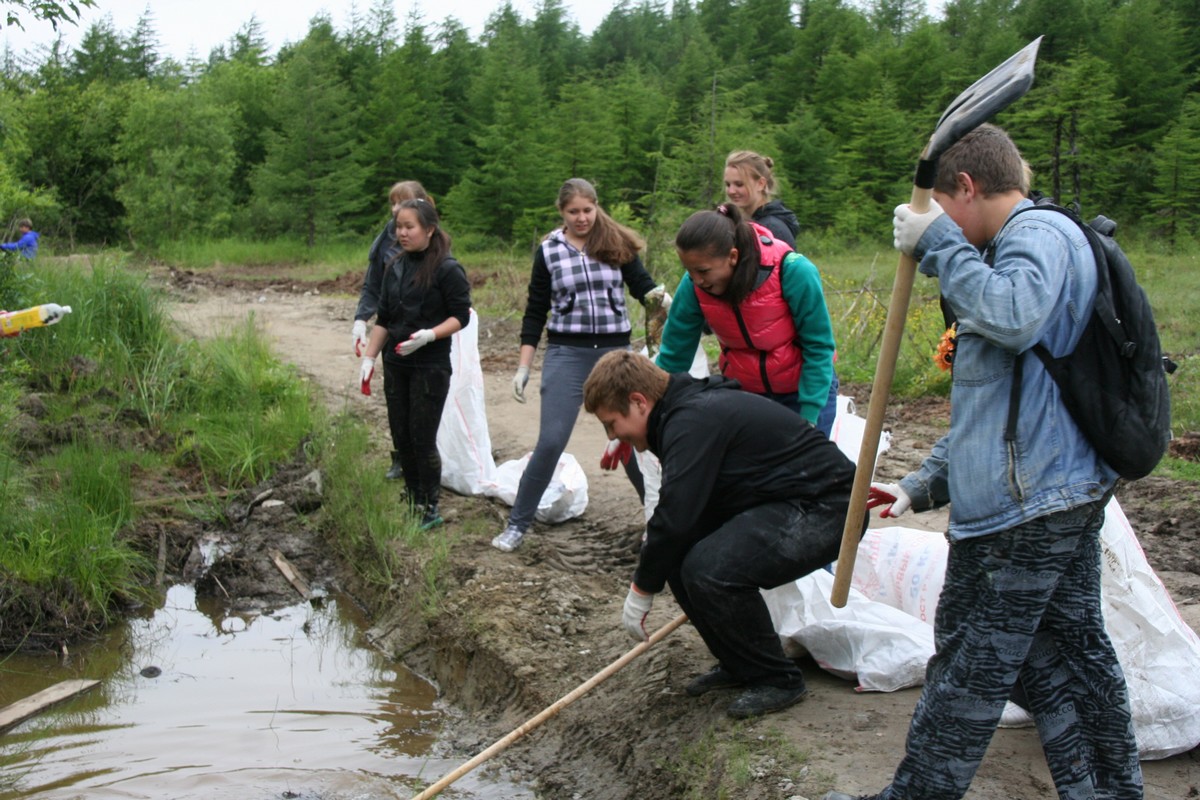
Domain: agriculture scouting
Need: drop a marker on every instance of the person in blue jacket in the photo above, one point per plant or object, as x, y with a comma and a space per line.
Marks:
27, 244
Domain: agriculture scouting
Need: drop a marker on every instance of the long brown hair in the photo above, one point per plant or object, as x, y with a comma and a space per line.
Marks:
439, 241
716, 233
608, 241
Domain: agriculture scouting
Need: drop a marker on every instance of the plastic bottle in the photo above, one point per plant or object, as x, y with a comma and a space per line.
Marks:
14, 322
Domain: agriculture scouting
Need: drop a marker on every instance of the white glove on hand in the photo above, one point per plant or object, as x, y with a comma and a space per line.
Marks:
519, 382
359, 332
416, 342
908, 225
633, 618
365, 372
883, 493
657, 296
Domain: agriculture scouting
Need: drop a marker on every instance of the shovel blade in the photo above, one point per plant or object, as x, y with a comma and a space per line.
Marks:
983, 99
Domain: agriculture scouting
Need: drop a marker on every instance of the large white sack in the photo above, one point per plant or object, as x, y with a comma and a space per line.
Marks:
904, 568
565, 498
881, 646
463, 441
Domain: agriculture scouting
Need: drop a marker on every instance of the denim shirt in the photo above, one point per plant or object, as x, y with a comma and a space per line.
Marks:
1039, 288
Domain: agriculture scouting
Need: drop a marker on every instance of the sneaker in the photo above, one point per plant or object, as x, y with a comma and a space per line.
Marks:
844, 796
759, 700
1015, 717
715, 678
431, 518
395, 472
509, 540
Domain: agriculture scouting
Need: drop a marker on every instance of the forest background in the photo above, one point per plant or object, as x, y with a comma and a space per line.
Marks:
112, 144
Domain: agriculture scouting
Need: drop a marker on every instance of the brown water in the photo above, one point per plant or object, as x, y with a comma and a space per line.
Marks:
290, 704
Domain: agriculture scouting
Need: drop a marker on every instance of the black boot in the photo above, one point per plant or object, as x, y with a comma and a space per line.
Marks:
395, 472
430, 518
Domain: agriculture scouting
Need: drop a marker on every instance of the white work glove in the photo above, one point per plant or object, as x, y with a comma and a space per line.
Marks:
658, 296
519, 382
884, 493
908, 225
359, 332
415, 342
633, 618
365, 371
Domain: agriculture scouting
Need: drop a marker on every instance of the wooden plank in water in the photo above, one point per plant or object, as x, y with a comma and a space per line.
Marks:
36, 703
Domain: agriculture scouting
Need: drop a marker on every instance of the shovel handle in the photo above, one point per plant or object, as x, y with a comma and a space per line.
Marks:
885, 371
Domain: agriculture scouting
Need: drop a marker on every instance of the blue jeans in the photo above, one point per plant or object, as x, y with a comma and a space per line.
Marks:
828, 414
564, 369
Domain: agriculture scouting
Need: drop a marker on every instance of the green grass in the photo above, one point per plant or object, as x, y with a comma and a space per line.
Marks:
367, 521
113, 377
722, 765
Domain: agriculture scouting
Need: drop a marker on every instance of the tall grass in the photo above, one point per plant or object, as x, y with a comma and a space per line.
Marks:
245, 411
112, 376
367, 518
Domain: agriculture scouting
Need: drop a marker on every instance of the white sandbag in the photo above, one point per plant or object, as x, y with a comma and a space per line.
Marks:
903, 568
848, 429
884, 648
463, 441
1158, 651
565, 498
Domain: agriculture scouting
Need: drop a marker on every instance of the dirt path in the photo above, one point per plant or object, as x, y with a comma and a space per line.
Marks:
522, 630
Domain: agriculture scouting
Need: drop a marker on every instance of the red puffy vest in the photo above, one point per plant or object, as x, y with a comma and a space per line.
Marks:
758, 336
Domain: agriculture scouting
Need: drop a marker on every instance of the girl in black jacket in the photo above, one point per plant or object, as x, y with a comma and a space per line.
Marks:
424, 299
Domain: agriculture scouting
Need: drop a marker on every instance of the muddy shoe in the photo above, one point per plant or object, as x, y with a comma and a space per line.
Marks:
715, 678
509, 540
430, 518
759, 700
395, 472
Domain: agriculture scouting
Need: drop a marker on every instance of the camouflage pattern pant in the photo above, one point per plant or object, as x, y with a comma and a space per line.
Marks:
1024, 604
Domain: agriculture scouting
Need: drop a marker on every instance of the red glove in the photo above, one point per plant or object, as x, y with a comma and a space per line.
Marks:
888, 493
365, 371
615, 454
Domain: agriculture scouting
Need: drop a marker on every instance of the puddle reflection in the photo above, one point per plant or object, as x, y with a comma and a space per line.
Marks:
237, 706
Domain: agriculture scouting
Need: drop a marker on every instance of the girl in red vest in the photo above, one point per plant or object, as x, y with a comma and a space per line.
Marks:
766, 306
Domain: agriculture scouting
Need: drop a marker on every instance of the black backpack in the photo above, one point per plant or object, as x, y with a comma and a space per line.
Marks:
1114, 384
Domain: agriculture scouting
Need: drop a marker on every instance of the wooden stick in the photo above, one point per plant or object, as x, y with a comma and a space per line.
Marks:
291, 574
553, 709
24, 709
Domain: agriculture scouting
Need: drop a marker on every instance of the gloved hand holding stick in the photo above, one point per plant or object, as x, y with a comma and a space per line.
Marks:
980, 102
553, 709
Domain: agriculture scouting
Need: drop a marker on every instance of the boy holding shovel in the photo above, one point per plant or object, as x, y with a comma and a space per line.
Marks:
753, 496
1021, 599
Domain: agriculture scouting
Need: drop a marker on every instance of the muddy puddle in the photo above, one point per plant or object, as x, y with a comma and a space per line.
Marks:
198, 702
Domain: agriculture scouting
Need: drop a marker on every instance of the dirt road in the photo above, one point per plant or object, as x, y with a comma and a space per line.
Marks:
521, 630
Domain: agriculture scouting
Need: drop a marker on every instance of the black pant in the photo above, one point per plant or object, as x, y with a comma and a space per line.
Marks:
415, 397
718, 581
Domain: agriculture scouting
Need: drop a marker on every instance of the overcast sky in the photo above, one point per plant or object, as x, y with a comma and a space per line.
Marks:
200, 25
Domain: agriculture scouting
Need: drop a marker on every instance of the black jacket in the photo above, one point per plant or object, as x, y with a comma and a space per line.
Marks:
405, 307
779, 220
368, 296
724, 451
